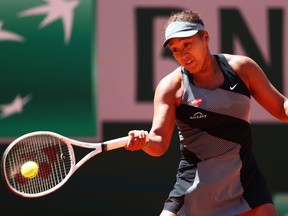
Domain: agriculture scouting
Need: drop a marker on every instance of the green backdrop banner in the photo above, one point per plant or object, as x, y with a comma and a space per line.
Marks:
47, 67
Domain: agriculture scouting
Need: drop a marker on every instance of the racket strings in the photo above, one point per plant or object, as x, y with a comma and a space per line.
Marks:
53, 157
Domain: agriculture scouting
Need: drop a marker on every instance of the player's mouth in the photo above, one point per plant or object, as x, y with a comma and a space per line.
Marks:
188, 62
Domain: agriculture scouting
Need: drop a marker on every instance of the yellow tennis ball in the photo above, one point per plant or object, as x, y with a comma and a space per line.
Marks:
29, 169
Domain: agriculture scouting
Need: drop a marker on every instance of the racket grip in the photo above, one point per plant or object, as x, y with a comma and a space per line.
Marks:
115, 143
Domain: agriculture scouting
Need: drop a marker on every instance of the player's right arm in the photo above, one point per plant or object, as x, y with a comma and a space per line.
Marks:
167, 97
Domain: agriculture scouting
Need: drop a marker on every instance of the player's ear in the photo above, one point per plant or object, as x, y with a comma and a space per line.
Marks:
205, 36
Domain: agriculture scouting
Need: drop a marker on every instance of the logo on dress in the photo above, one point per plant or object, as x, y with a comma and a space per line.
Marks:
196, 102
233, 87
198, 115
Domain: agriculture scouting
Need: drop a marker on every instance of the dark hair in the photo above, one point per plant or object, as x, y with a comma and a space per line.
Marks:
185, 15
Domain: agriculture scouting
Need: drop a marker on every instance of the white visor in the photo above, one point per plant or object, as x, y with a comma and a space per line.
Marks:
181, 29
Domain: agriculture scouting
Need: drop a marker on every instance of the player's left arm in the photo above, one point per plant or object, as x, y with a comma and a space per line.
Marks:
260, 87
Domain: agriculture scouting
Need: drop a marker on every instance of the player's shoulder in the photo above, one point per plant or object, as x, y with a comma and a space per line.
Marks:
173, 76
239, 62
244, 66
233, 58
172, 80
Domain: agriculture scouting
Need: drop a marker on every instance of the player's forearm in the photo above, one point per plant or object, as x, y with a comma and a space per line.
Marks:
155, 146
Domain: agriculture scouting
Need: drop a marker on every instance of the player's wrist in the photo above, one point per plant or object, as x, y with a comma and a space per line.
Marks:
148, 141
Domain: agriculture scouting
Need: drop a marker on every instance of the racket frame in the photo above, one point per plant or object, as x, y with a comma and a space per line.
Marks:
98, 148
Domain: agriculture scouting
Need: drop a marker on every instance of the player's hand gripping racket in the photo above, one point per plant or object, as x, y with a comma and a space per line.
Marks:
53, 158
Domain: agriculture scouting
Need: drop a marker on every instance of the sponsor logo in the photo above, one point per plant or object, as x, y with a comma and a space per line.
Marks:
196, 102
198, 115
233, 87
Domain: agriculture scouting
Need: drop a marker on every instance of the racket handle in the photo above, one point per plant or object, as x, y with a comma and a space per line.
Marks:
115, 143
118, 143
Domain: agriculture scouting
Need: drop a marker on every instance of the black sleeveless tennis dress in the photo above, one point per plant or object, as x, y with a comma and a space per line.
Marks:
217, 174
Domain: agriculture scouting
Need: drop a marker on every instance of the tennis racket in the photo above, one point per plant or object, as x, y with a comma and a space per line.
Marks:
54, 155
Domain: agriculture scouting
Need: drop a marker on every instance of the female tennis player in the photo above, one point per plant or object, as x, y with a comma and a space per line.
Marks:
208, 98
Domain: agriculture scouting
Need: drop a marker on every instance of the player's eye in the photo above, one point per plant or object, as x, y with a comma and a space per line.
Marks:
174, 50
187, 44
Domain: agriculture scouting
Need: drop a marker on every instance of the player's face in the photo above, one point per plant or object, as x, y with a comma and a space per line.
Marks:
190, 52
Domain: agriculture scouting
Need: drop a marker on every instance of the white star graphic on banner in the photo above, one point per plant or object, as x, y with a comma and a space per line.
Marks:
16, 106
7, 35
56, 9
